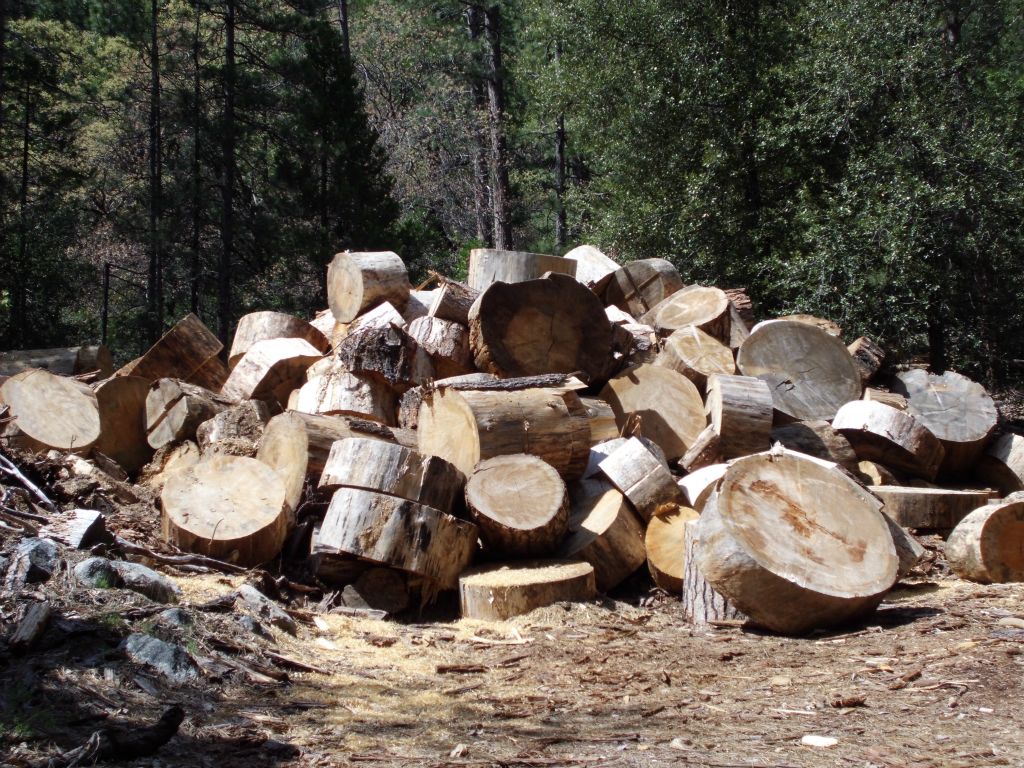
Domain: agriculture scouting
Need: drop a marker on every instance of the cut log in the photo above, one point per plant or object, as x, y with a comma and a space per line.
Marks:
452, 302
704, 452
740, 410
409, 407
873, 473
228, 507
520, 504
664, 544
78, 529
890, 437
63, 361
446, 343
122, 404
1002, 464
501, 591
829, 327
637, 287
795, 545
49, 411
261, 326
271, 369
179, 353
810, 372
398, 533
601, 418
338, 392
210, 375
168, 460
668, 405
893, 400
641, 477
388, 355
987, 546
633, 344
696, 355
698, 486
235, 431
868, 357
702, 605
318, 434
374, 465
31, 627
174, 411
593, 268
695, 305
284, 447
605, 532
955, 409
744, 308
931, 509
382, 316
488, 266
324, 322
360, 281
818, 439
466, 427
552, 325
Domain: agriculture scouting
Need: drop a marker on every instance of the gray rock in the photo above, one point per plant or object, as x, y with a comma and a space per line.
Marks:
249, 624
34, 561
98, 573
267, 609
148, 582
170, 660
176, 617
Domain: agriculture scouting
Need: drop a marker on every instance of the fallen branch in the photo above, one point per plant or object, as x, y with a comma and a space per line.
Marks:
200, 560
9, 468
122, 744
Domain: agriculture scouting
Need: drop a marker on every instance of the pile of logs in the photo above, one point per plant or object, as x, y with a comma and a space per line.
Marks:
541, 433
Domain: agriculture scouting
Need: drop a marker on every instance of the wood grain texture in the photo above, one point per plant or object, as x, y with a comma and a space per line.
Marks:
987, 546
357, 281
890, 437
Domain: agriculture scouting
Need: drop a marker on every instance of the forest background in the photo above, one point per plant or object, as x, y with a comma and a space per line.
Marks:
860, 160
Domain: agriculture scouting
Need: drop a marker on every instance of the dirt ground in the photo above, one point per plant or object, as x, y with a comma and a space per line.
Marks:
935, 678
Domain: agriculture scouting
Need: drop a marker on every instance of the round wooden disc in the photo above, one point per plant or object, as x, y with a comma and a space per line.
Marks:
500, 591
229, 507
693, 305
357, 280
664, 542
811, 374
259, 326
696, 355
122, 404
988, 544
952, 406
52, 411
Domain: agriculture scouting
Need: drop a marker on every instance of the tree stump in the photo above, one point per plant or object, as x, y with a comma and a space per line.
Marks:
488, 266
50, 411
890, 437
696, 355
262, 326
641, 477
637, 287
695, 305
932, 509
818, 439
1002, 464
664, 543
867, 356
174, 411
520, 504
453, 301
987, 546
500, 591
795, 545
270, 369
553, 325
810, 373
122, 405
178, 354
698, 486
605, 532
374, 465
335, 391
740, 409
593, 268
447, 344
360, 281
228, 507
669, 407
702, 605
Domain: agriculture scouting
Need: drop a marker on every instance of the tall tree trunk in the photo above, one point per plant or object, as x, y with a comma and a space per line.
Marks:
227, 231
195, 271
154, 284
478, 105
19, 299
343, 26
500, 195
560, 234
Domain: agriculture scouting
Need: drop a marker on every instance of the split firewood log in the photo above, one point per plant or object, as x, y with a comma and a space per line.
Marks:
668, 405
743, 309
49, 412
446, 343
890, 437
362, 280
270, 369
702, 605
818, 439
452, 302
664, 541
122, 405
740, 411
810, 373
551, 325
868, 356
705, 451
398, 533
1002, 464
955, 409
500, 591
417, 306
893, 400
388, 355
261, 326
174, 411
696, 355
488, 266
641, 477
382, 316
605, 532
699, 306
178, 354
335, 391
316, 434
987, 546
698, 486
284, 447
794, 544
637, 287
63, 361
520, 504
466, 427
933, 509
228, 507
392, 469
593, 268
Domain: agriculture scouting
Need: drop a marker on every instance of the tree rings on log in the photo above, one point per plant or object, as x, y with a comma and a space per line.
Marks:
552, 325
890, 437
664, 544
809, 372
605, 532
987, 546
933, 509
795, 545
360, 281
501, 591
637, 287
740, 409
488, 266
50, 411
695, 305
374, 465
696, 355
260, 326
122, 405
228, 507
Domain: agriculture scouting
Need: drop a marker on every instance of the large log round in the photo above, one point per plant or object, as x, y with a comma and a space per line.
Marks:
665, 549
933, 509
988, 545
696, 355
179, 353
259, 326
810, 373
50, 411
360, 281
447, 344
695, 305
818, 439
553, 325
174, 410
593, 268
271, 368
122, 404
740, 410
501, 591
637, 287
794, 544
1002, 464
890, 437
488, 266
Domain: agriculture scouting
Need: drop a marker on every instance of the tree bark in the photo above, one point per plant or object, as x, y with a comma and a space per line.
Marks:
501, 591
227, 234
195, 264
500, 193
154, 283
478, 105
